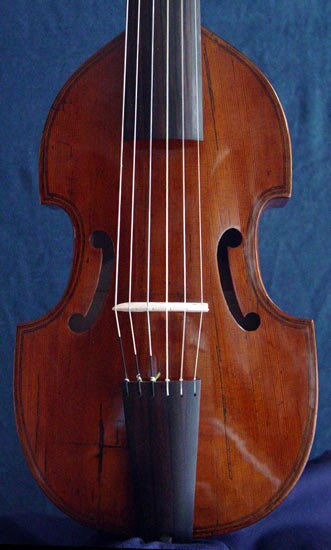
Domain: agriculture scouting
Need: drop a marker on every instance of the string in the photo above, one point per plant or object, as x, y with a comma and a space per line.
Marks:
133, 193
150, 196
120, 191
184, 197
199, 188
167, 380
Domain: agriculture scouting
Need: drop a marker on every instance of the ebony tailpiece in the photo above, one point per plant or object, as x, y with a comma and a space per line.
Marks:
162, 436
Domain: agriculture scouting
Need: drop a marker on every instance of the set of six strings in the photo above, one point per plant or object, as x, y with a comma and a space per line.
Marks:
167, 374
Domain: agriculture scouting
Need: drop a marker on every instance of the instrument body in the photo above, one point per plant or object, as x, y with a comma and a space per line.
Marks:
258, 387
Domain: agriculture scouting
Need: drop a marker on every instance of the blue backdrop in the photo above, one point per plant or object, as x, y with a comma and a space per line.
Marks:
42, 43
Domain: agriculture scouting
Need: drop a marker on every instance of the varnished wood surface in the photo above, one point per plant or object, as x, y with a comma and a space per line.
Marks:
259, 388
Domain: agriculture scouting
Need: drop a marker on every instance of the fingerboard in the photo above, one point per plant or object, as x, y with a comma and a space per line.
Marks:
167, 36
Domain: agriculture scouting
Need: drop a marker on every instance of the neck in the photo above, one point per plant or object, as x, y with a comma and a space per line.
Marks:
176, 52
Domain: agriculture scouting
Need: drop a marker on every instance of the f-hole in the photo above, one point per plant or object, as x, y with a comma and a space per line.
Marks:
233, 238
78, 322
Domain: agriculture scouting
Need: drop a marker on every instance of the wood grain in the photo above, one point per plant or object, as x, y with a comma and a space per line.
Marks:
258, 389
